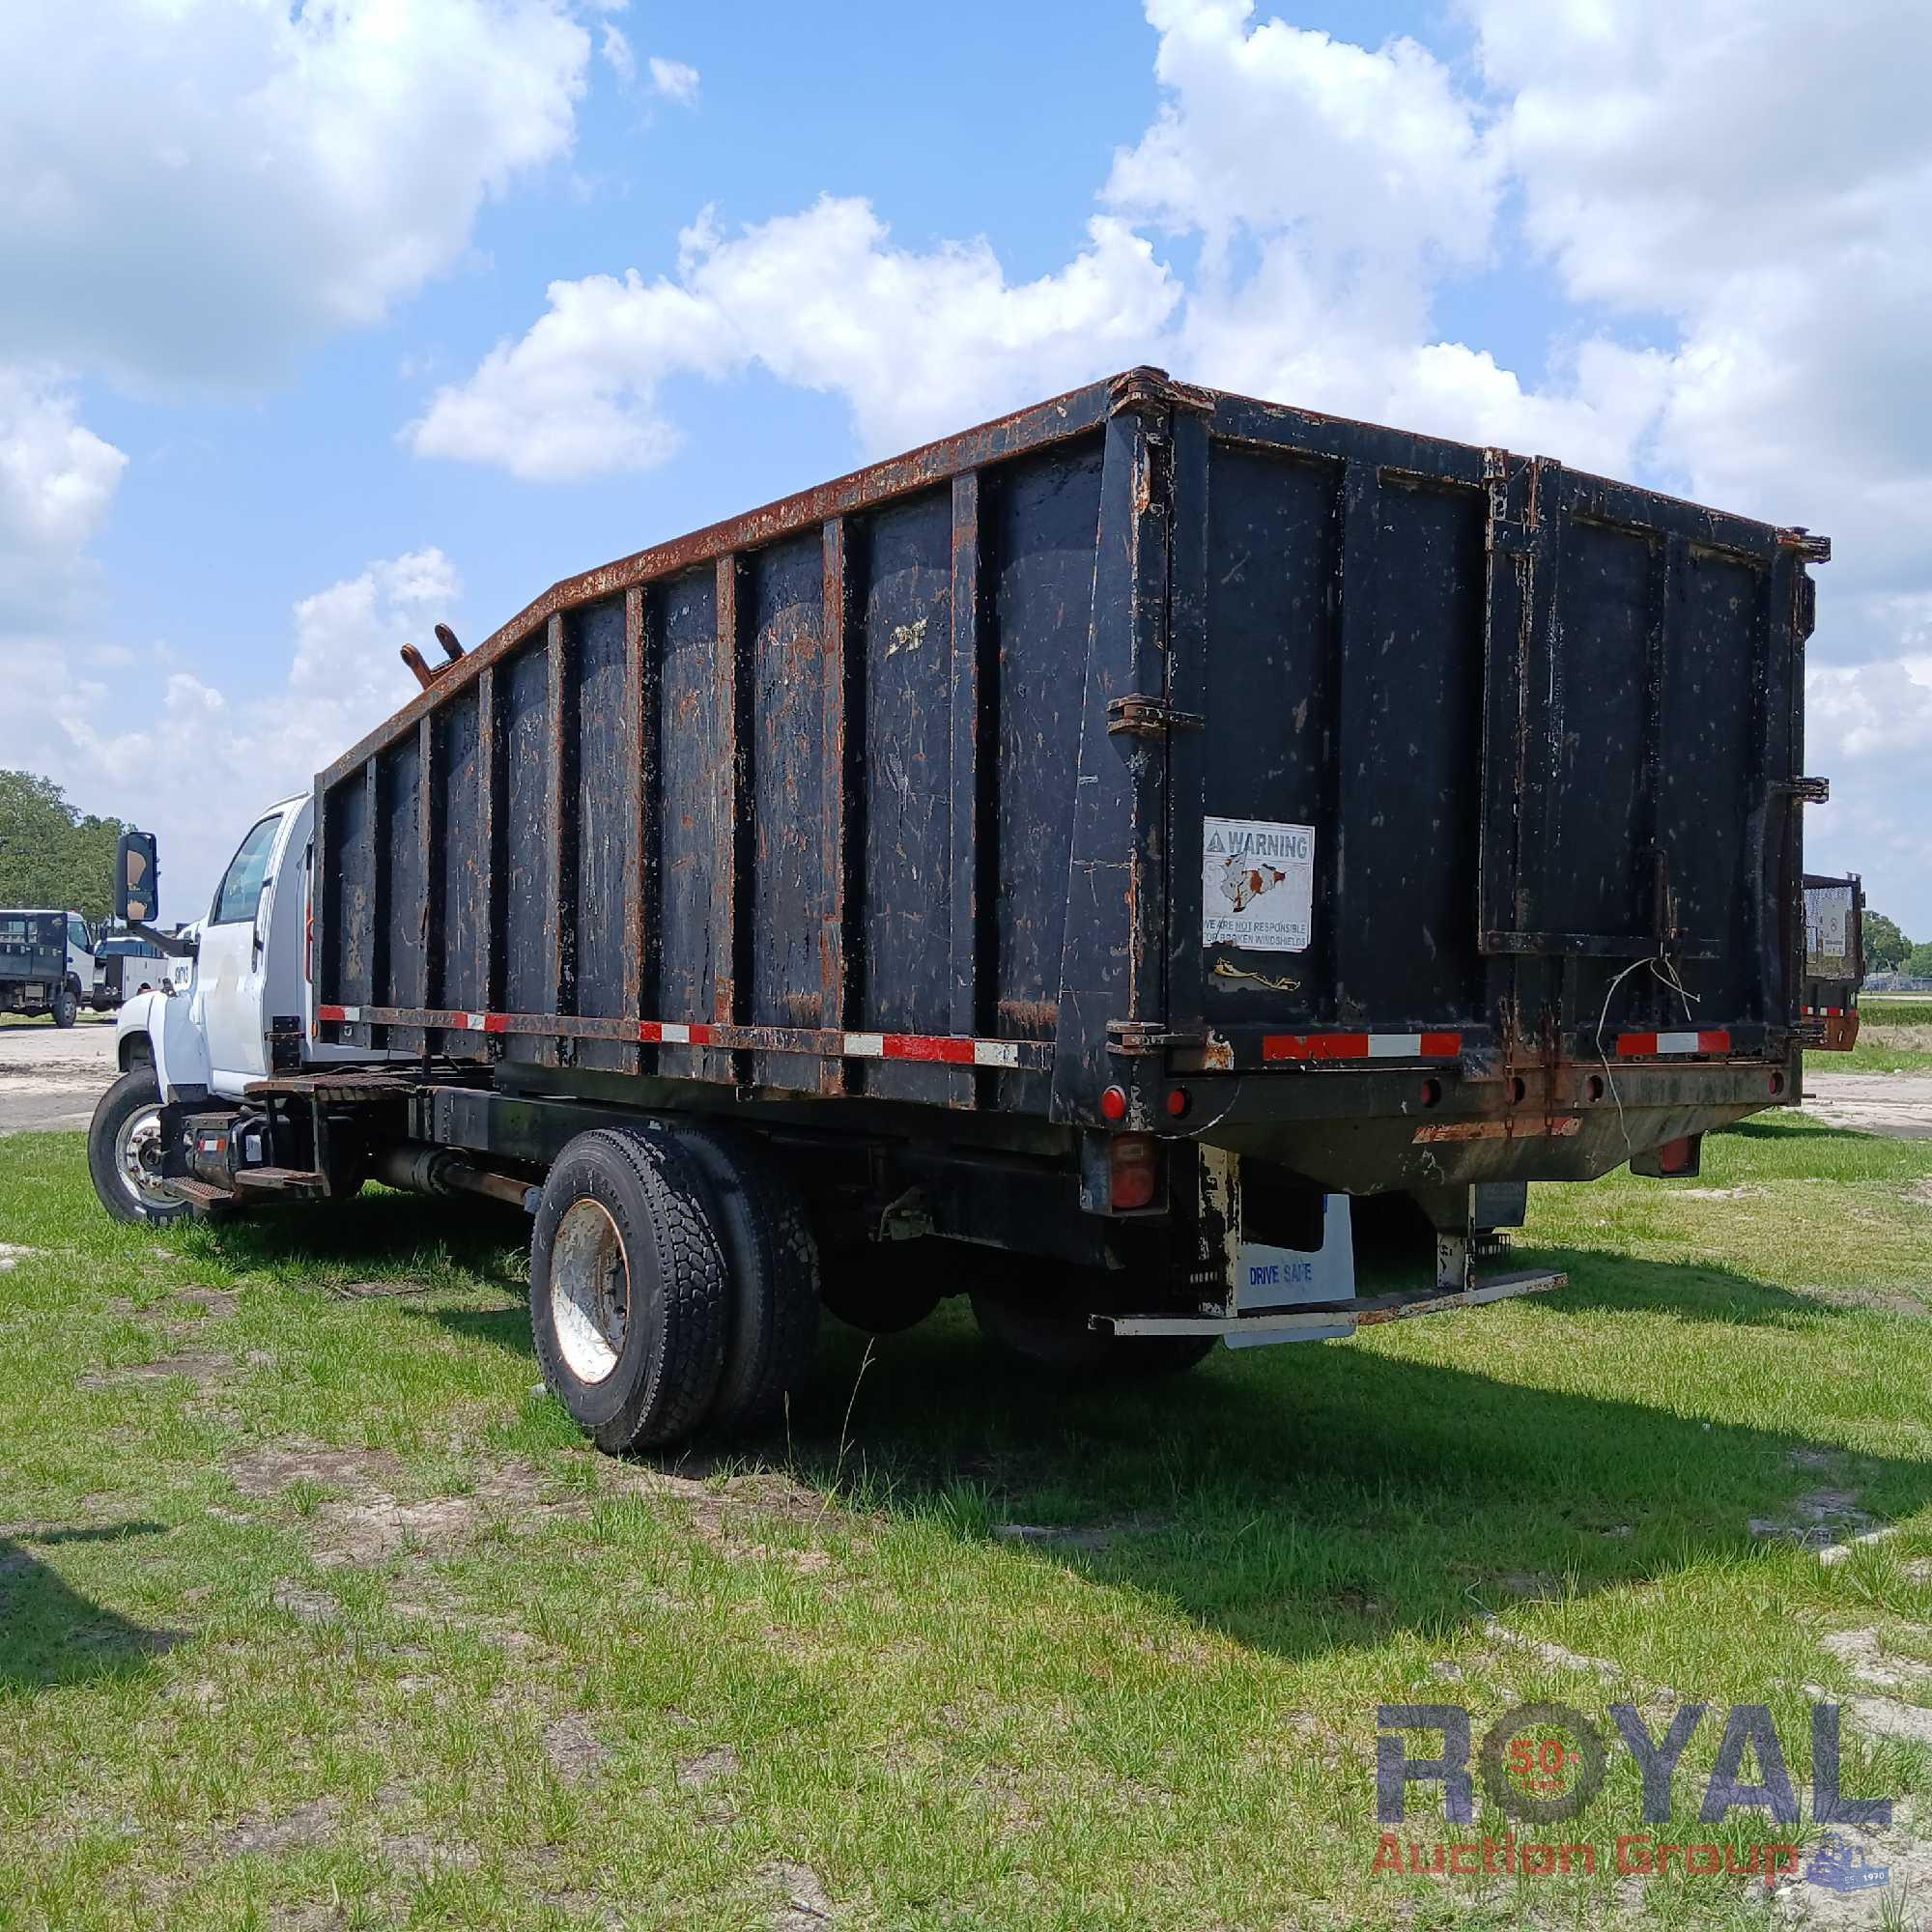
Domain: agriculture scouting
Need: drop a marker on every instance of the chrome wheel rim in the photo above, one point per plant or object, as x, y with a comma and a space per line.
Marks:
137, 1158
589, 1291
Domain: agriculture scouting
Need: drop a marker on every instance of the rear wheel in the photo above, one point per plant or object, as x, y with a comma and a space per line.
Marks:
629, 1297
66, 1007
773, 1261
124, 1151
1058, 1339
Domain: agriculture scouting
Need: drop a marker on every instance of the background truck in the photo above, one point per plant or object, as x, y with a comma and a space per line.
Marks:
46, 963
125, 963
1171, 865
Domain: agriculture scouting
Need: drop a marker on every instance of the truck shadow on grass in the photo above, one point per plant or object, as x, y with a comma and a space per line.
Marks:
49, 1632
1330, 1495
1294, 1499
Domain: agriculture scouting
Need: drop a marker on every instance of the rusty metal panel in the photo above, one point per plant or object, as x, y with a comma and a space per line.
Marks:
903, 789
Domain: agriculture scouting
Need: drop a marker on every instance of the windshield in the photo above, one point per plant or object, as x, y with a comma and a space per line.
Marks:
240, 893
127, 948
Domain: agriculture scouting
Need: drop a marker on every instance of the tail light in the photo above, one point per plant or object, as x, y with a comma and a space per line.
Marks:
1133, 1163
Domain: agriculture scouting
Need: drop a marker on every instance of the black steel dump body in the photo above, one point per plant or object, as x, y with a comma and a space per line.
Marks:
1402, 811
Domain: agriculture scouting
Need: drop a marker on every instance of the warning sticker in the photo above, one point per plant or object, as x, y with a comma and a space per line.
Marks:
1257, 884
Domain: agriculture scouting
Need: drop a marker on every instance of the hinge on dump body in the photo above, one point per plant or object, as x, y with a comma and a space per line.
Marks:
1131, 1037
1810, 791
1812, 550
1141, 717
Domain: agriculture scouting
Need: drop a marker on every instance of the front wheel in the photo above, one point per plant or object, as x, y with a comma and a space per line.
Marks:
67, 1007
124, 1152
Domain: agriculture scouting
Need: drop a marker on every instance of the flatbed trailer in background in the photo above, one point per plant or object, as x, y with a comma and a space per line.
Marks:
1157, 834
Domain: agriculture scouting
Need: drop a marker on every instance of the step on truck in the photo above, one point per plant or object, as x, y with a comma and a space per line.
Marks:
1171, 867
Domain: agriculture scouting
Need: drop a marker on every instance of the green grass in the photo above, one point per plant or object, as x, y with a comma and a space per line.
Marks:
819, 1653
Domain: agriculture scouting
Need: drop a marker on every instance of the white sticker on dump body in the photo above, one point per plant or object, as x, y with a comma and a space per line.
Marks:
1257, 884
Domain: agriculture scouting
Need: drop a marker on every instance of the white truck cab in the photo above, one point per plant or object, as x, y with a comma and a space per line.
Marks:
243, 1006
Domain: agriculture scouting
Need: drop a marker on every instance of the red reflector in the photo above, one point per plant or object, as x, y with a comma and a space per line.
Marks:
1113, 1104
1677, 1156
1178, 1101
1131, 1159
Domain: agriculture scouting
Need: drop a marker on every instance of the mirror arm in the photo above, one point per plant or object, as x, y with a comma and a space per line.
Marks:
171, 943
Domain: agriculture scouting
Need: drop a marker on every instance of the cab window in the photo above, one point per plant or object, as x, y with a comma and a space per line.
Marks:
240, 891
77, 936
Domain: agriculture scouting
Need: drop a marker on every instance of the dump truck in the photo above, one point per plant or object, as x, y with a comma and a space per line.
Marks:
1172, 867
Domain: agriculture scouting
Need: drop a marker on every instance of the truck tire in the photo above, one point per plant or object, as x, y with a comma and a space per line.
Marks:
773, 1263
124, 1151
1059, 1341
629, 1296
66, 1008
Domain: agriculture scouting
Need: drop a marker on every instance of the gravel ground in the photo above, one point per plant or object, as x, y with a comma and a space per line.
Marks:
50, 1078
1897, 1104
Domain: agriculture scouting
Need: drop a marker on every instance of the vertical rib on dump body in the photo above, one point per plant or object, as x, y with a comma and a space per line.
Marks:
1420, 812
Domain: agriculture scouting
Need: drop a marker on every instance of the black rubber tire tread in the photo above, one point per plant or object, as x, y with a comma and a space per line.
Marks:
66, 1008
135, 1088
673, 1357
866, 1287
772, 1258
1061, 1343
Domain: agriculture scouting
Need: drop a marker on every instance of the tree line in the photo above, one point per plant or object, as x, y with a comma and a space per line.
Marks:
1888, 950
51, 854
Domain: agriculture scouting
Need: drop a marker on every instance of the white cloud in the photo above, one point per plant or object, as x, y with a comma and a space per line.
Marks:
197, 189
1329, 187
917, 343
674, 80
162, 746
57, 484
617, 54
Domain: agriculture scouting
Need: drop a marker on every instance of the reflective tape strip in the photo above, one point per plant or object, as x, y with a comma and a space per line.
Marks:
674, 1033
1279, 1046
1644, 1045
932, 1049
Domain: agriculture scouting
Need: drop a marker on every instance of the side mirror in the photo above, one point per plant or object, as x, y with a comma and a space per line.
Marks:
137, 879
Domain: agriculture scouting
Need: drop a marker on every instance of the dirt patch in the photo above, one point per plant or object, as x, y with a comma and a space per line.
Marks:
271, 1468
1553, 1654
1863, 1653
1921, 1192
1830, 1522
574, 1750
200, 1366
1743, 1193
12, 1254
306, 1604
375, 1291
807, 1905
708, 1768
417, 1854
307, 1825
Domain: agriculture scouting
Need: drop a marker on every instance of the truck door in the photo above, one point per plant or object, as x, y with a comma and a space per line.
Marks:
229, 973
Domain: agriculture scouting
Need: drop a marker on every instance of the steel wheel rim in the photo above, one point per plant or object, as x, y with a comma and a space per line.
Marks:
589, 1291
137, 1158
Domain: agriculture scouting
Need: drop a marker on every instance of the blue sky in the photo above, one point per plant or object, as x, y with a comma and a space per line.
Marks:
282, 382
